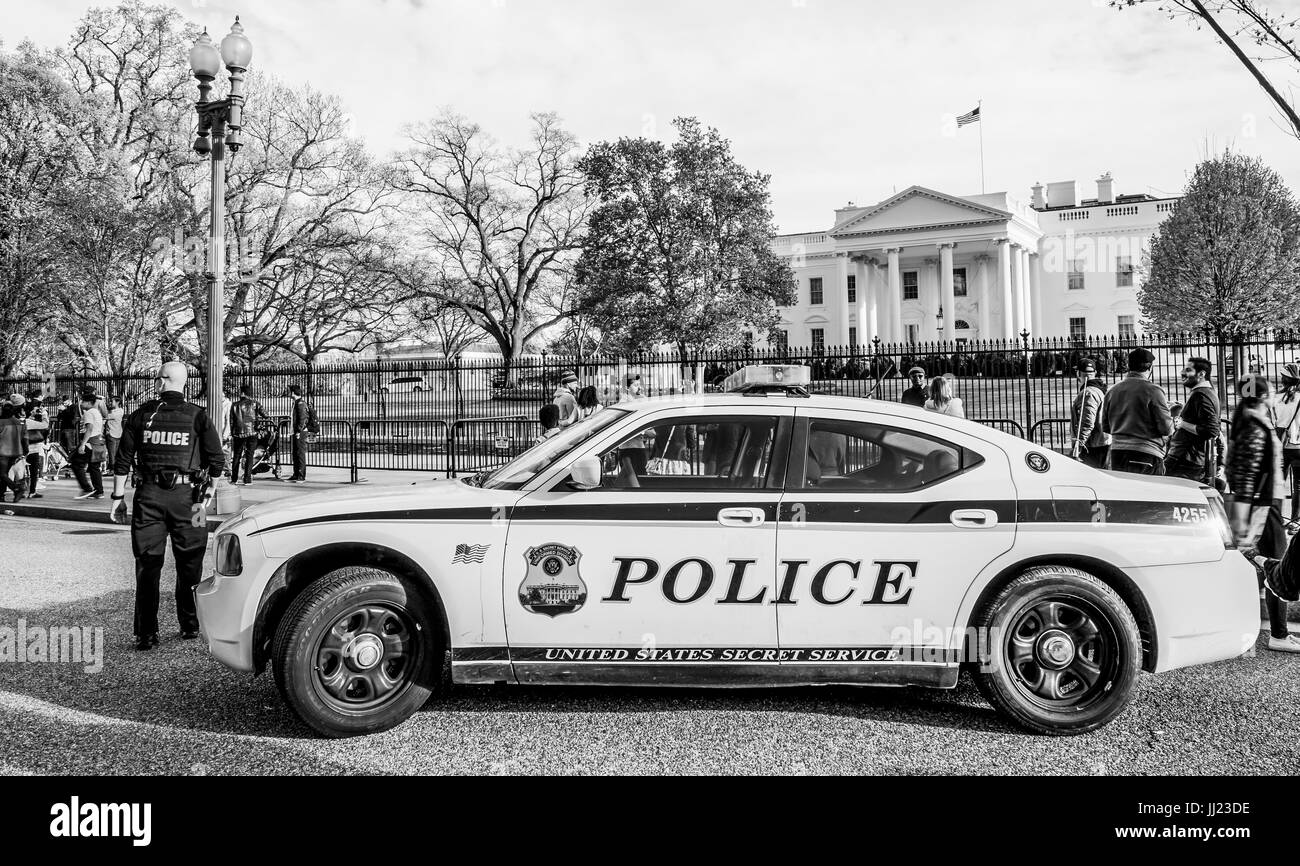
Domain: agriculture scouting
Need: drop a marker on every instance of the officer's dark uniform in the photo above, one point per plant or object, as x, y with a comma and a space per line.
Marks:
170, 440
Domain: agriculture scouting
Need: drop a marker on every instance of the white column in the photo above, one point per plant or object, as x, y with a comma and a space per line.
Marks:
986, 326
928, 291
841, 305
1035, 298
1004, 287
1023, 258
895, 295
874, 281
1017, 292
860, 309
946, 299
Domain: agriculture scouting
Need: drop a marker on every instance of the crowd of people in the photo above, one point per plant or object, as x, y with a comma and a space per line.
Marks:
40, 437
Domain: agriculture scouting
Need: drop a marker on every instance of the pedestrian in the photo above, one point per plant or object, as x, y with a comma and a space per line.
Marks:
244, 416
631, 389
1254, 468
588, 402
915, 395
177, 450
1090, 442
941, 398
69, 420
564, 398
13, 447
300, 420
113, 428
549, 417
1135, 414
91, 448
1286, 411
1191, 448
38, 434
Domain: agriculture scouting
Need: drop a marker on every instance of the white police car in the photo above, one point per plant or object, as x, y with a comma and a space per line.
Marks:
759, 537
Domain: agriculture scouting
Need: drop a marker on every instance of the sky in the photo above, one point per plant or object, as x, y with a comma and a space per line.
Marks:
837, 100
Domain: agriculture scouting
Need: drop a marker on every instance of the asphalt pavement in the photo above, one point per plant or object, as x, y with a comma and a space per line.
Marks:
177, 711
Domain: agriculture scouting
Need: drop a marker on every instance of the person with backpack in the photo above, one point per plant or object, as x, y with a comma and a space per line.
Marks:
244, 415
1091, 443
300, 425
1286, 412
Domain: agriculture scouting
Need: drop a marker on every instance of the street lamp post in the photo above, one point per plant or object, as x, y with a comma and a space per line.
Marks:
221, 120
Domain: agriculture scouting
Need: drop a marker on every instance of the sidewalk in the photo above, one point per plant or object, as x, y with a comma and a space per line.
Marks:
58, 498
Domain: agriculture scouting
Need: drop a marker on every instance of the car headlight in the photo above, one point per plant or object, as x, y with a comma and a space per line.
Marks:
230, 559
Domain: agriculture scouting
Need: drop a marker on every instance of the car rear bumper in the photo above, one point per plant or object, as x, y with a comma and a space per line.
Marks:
1204, 612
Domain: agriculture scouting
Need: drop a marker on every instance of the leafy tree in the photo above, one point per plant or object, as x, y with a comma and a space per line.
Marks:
502, 225
678, 245
1228, 258
1273, 37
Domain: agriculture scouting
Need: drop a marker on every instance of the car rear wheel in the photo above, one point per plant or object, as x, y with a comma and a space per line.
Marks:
357, 652
1064, 651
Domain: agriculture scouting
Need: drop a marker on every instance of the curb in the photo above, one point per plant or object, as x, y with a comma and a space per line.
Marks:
80, 515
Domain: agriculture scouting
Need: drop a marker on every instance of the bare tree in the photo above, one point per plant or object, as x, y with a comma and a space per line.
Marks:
1273, 36
502, 225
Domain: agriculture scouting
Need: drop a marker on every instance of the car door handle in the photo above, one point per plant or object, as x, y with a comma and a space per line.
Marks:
973, 518
741, 517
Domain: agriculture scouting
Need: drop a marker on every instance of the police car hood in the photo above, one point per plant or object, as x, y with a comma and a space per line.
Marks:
369, 499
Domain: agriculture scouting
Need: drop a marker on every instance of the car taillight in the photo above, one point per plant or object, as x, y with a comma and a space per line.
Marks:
230, 559
1221, 517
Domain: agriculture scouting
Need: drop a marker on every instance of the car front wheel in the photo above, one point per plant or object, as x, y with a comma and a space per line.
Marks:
1064, 651
357, 652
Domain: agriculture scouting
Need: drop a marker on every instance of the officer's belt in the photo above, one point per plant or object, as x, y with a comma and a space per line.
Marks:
168, 478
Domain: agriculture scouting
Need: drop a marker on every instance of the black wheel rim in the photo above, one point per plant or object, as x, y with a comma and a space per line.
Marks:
1062, 653
367, 658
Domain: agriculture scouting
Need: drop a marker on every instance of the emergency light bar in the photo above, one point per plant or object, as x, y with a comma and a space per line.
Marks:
764, 378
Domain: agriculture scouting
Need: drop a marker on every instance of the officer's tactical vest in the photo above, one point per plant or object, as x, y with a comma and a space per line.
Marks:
168, 438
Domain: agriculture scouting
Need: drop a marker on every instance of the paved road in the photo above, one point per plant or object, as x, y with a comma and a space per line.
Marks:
177, 711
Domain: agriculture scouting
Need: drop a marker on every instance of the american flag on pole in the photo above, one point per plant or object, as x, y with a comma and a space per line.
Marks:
969, 117
469, 553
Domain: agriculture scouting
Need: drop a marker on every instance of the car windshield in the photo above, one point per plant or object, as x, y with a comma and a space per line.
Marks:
541, 456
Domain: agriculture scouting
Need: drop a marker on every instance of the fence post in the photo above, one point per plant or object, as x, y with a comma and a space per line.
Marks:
352, 447
451, 449
1029, 395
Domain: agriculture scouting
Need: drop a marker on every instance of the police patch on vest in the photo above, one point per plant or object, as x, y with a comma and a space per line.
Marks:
166, 437
552, 585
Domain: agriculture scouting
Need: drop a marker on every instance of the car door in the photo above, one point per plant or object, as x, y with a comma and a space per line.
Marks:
885, 523
666, 572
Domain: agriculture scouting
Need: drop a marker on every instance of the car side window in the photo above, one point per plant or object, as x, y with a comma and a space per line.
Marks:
856, 455
719, 453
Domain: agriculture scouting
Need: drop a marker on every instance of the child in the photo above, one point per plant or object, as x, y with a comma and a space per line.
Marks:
549, 415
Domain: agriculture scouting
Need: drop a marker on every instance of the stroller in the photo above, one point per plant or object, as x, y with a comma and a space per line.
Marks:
266, 451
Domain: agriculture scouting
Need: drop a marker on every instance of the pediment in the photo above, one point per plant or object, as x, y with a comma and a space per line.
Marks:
917, 208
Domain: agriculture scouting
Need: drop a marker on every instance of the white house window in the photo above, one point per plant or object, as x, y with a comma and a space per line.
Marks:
815, 291
1127, 328
1075, 283
959, 282
1078, 328
912, 333
779, 340
910, 291
961, 325
853, 336
1123, 270
853, 288
818, 340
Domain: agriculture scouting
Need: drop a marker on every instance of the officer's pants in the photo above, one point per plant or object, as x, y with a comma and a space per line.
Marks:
156, 515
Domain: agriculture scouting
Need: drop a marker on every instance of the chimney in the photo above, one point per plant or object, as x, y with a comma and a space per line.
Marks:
1039, 202
1063, 193
1105, 189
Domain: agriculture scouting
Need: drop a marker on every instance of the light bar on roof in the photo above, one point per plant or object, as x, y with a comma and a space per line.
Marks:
768, 376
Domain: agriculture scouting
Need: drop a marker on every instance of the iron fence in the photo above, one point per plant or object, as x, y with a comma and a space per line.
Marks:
456, 415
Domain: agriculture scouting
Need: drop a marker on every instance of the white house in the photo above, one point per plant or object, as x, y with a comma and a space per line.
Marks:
993, 266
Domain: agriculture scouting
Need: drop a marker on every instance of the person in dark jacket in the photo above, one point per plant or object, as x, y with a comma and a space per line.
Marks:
299, 420
13, 446
916, 394
1090, 442
244, 415
1135, 414
1191, 450
1254, 469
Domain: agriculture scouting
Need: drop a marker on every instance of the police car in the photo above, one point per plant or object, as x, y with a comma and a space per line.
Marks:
758, 537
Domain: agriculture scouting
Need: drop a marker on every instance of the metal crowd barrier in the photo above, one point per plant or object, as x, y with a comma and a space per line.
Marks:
474, 444
1058, 436
1006, 425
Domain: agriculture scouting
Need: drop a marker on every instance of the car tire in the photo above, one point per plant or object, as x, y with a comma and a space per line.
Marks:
357, 652
1064, 651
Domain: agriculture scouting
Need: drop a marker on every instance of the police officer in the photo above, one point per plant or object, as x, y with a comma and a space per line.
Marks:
176, 448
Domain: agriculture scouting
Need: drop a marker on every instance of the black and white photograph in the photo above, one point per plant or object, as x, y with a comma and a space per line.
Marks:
755, 388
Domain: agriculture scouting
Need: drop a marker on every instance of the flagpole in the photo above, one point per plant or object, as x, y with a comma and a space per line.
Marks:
980, 106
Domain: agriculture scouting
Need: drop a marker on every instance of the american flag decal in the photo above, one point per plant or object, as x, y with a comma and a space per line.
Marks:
469, 553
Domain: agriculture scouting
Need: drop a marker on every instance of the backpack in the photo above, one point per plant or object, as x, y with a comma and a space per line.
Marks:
313, 422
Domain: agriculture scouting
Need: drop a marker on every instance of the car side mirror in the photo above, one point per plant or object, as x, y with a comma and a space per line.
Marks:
585, 473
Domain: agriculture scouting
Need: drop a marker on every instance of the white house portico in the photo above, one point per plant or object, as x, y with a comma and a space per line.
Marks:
924, 265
